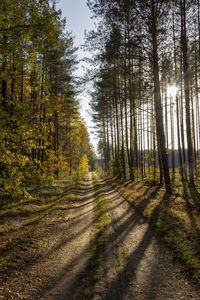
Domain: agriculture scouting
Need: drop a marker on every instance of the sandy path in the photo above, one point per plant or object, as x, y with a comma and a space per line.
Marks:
59, 256
135, 265
72, 259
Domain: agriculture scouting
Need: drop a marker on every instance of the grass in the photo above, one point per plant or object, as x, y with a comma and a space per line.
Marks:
175, 218
20, 220
101, 220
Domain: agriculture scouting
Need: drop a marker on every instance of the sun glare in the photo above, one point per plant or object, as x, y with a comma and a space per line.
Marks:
172, 90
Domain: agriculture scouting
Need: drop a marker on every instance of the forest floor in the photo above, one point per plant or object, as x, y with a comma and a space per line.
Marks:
91, 243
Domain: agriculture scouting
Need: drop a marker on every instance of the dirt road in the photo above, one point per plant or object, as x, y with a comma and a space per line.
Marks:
57, 255
134, 264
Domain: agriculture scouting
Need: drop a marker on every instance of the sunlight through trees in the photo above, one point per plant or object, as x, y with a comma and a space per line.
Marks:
145, 93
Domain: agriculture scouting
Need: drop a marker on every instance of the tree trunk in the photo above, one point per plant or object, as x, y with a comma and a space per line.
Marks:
187, 89
157, 100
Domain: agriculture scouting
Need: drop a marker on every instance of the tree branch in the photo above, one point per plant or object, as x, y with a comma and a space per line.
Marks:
24, 26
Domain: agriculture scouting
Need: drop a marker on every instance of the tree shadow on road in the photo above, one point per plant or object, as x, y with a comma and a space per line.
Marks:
192, 202
118, 288
82, 287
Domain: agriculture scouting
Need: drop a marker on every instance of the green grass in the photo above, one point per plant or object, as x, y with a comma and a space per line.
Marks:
101, 221
175, 218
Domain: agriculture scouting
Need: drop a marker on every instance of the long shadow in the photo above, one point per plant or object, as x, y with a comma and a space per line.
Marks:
57, 192
24, 265
156, 189
79, 206
84, 278
64, 274
129, 271
87, 198
125, 227
16, 216
121, 283
119, 234
111, 181
51, 191
189, 207
195, 196
22, 214
158, 275
134, 218
9, 214
108, 210
153, 194
66, 240
155, 281
142, 201
122, 231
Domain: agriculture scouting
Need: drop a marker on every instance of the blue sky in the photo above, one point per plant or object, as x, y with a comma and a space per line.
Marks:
78, 19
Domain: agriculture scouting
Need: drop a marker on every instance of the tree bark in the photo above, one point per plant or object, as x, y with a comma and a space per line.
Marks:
157, 99
187, 90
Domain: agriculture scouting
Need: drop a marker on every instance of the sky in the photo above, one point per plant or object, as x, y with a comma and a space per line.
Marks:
78, 19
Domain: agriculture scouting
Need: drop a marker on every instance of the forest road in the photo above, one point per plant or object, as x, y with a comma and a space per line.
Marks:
71, 260
57, 256
133, 263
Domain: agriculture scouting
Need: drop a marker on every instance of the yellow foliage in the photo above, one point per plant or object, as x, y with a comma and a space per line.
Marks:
55, 160
83, 168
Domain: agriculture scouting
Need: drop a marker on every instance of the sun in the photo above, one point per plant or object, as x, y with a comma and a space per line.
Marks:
172, 90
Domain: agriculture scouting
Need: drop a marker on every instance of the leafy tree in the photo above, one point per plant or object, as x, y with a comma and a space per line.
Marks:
83, 167
39, 119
